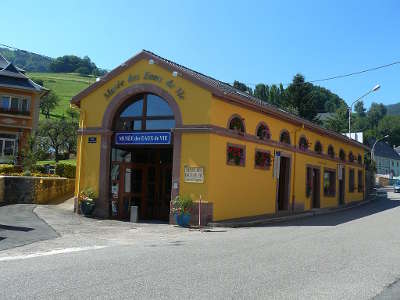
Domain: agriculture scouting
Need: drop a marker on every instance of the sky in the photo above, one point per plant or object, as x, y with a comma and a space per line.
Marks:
249, 41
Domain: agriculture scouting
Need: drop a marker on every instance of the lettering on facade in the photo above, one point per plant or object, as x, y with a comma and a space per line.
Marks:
133, 78
111, 91
193, 174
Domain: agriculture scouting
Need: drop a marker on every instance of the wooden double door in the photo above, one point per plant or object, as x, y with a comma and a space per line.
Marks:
146, 185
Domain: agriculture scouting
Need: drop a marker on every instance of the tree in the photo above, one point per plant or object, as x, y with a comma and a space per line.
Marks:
261, 92
300, 97
242, 87
376, 113
338, 122
56, 131
359, 108
48, 103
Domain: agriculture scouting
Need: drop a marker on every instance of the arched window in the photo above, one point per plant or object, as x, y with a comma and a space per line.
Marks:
263, 132
359, 159
351, 157
318, 147
236, 124
145, 112
285, 137
303, 143
342, 155
331, 151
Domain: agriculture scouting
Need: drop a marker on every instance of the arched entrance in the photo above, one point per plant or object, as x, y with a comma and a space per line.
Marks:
140, 153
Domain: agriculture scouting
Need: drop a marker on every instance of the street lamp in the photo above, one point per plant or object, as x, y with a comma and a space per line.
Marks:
373, 146
374, 89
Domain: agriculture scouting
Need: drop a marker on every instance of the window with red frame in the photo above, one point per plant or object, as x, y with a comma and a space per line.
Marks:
262, 159
235, 155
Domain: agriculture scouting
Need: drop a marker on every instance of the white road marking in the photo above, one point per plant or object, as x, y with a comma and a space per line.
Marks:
52, 252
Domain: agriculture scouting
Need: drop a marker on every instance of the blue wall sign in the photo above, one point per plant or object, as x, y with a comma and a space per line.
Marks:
92, 140
143, 138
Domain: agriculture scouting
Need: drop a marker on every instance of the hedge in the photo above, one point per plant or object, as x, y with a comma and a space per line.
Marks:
5, 169
65, 170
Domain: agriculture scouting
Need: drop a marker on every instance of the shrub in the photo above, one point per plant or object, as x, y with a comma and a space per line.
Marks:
182, 204
65, 170
39, 169
5, 169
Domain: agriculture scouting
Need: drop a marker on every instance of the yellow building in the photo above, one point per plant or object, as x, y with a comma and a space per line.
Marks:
152, 129
19, 109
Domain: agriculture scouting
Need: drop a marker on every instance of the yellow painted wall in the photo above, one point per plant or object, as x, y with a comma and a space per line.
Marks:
234, 191
238, 191
88, 165
194, 107
196, 153
245, 191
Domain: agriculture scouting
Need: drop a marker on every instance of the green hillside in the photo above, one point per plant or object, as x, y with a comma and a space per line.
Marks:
64, 85
393, 109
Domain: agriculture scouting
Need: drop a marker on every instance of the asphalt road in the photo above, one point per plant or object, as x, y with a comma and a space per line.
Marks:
19, 226
353, 254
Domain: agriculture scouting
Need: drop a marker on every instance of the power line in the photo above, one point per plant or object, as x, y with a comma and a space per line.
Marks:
340, 76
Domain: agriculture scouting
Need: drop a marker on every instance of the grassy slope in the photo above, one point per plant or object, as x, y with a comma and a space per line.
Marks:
64, 85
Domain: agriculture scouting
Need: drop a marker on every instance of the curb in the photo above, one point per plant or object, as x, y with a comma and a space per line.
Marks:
273, 220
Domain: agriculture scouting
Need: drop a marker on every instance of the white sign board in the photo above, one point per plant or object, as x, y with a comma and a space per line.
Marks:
193, 174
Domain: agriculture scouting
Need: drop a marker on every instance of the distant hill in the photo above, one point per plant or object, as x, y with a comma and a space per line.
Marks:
30, 62
393, 109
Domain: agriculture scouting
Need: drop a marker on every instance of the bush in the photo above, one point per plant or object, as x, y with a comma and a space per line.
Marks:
182, 204
39, 169
5, 169
65, 170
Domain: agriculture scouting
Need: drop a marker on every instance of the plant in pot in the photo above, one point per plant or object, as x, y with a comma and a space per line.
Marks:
87, 201
181, 207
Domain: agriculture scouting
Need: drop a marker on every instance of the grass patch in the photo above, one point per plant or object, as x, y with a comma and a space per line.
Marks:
65, 86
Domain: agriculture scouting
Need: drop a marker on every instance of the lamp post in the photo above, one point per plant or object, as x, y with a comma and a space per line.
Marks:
374, 89
373, 146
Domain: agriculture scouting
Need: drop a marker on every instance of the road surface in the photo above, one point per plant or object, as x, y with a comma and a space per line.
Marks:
353, 254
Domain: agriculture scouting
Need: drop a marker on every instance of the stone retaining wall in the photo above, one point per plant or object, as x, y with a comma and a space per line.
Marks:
38, 190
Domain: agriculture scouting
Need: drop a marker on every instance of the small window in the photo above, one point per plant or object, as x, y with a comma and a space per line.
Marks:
262, 159
342, 155
263, 132
360, 181
5, 102
351, 157
329, 183
303, 143
359, 159
14, 104
9, 147
25, 105
318, 147
331, 151
351, 180
285, 137
236, 124
309, 179
235, 155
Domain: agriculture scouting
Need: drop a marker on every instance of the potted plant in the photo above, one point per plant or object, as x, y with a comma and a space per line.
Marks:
181, 207
87, 201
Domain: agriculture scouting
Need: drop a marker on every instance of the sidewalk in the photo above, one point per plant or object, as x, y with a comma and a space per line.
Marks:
273, 219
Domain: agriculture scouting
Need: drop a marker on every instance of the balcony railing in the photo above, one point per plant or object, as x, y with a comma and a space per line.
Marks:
12, 111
